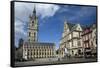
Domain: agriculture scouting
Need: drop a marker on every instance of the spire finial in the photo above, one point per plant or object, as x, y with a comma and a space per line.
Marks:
65, 21
34, 12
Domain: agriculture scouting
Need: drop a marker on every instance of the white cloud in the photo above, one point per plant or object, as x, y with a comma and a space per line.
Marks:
43, 10
46, 10
19, 28
22, 12
20, 32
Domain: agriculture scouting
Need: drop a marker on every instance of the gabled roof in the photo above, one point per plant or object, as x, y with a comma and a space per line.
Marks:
74, 26
93, 26
83, 27
70, 25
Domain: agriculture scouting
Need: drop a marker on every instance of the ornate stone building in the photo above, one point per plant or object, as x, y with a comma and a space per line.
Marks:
33, 49
38, 50
71, 40
78, 41
33, 27
87, 40
89, 37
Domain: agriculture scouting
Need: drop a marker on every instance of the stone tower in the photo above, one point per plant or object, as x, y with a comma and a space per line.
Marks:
33, 27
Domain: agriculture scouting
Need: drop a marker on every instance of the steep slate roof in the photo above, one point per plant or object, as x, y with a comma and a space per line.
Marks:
70, 25
73, 26
83, 26
40, 44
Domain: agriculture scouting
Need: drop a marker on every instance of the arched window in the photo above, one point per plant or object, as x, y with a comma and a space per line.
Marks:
72, 52
34, 36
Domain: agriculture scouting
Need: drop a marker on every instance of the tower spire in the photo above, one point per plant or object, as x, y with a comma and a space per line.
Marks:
34, 10
33, 27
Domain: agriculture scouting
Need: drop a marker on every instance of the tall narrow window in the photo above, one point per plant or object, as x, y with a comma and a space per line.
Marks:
79, 34
34, 35
32, 23
29, 33
79, 43
72, 52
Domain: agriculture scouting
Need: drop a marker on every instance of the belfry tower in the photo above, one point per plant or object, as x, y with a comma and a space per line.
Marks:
33, 27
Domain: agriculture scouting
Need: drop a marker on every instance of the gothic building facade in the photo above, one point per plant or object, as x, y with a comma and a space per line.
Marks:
89, 37
78, 40
38, 50
33, 27
71, 40
33, 49
75, 41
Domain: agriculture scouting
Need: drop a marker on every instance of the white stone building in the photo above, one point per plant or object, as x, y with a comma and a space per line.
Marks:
71, 39
33, 49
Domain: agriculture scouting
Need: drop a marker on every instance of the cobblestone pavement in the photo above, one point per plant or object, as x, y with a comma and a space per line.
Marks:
48, 61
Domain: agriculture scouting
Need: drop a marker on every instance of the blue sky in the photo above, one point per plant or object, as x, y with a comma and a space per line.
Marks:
50, 19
